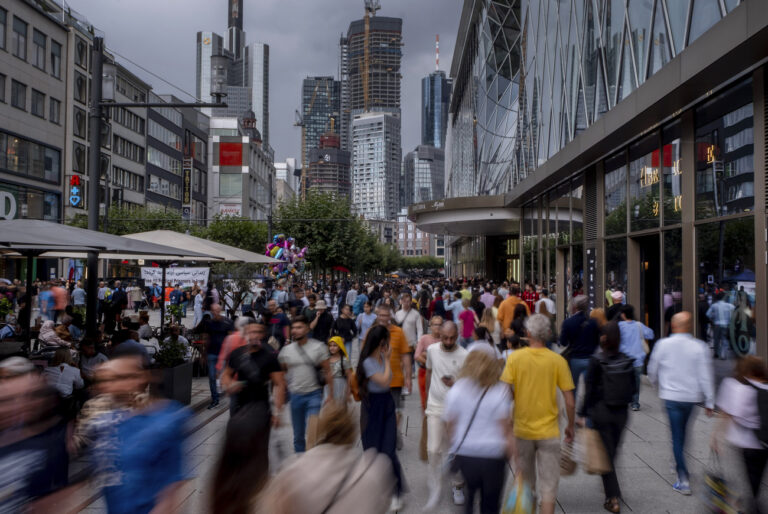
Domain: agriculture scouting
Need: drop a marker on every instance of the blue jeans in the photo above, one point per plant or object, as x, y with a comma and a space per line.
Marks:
578, 368
302, 407
720, 341
679, 413
638, 379
212, 376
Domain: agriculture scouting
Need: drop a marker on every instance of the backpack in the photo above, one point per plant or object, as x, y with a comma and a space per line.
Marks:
762, 410
618, 380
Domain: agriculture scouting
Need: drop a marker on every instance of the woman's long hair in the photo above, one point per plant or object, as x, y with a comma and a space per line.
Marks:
481, 368
377, 336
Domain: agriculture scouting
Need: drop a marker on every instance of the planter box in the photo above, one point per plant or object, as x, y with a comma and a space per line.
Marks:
175, 383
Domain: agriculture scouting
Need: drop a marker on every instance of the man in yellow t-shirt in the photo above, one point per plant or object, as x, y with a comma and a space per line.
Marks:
507, 308
535, 373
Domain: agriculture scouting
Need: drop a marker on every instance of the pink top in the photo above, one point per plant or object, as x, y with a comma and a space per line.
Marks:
467, 318
424, 341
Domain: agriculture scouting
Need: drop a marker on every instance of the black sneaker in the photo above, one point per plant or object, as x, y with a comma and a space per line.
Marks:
213, 405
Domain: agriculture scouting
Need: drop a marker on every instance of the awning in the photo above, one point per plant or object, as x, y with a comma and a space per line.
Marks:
466, 216
197, 244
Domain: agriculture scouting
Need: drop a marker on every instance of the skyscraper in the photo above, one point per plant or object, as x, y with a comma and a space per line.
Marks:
320, 102
425, 167
435, 97
376, 165
247, 72
328, 168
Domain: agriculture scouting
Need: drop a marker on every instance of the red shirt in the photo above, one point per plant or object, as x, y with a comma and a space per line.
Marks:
530, 298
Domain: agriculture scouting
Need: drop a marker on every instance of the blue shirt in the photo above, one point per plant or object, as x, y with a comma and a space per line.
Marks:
175, 297
720, 313
631, 342
359, 304
373, 366
455, 308
78, 296
364, 322
138, 455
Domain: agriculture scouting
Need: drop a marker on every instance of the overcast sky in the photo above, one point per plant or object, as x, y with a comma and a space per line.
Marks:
303, 36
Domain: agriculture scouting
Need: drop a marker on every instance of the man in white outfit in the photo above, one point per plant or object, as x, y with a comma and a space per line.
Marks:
444, 362
410, 321
682, 368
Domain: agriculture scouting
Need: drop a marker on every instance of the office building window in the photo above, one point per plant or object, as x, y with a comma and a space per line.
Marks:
3, 25
78, 158
55, 59
38, 104
125, 148
54, 111
40, 42
2, 88
230, 184
25, 157
79, 126
18, 95
81, 53
19, 38
81, 88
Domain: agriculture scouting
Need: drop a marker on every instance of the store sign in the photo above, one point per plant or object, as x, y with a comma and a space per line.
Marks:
592, 277
76, 194
230, 154
230, 209
186, 195
8, 205
187, 277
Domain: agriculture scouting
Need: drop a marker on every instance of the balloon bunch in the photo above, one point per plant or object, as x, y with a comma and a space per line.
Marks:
285, 249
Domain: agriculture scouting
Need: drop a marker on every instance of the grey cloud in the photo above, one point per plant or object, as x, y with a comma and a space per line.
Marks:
303, 36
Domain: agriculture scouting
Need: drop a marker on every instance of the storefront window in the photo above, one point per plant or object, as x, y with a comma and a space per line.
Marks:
530, 242
616, 195
28, 202
644, 183
673, 175
577, 219
616, 265
724, 154
673, 275
726, 254
564, 214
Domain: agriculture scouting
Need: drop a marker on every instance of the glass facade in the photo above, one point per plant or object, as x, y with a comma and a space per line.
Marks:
320, 104
435, 96
539, 72
426, 165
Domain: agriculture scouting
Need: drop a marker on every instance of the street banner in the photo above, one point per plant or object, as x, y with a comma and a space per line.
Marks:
184, 276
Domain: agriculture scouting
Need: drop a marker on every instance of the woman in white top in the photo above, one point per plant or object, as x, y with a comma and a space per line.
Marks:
62, 375
481, 437
737, 404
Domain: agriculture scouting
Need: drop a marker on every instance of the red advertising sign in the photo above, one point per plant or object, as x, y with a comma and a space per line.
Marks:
230, 154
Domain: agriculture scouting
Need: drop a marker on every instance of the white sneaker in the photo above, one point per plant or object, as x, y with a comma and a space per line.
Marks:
396, 505
458, 495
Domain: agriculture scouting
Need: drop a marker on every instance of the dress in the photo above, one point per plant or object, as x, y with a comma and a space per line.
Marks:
340, 386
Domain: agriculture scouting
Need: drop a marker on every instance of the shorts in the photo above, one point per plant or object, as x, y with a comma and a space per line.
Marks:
540, 465
397, 396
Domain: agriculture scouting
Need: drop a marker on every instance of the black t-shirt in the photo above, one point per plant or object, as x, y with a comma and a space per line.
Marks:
254, 369
217, 330
322, 330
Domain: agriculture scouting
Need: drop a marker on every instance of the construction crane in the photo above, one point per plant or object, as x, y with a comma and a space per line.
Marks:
371, 6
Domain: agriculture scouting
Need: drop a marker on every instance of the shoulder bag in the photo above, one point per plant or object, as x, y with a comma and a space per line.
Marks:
319, 371
450, 459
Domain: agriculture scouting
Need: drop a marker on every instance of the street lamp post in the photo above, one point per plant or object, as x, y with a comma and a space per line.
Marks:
105, 74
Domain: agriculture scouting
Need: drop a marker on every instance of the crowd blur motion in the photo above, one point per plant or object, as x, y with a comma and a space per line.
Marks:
510, 403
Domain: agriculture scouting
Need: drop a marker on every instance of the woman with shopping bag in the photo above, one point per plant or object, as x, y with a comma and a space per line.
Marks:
610, 386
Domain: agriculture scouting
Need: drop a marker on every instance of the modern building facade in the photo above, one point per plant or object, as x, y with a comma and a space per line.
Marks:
412, 242
165, 156
320, 108
328, 170
626, 151
426, 167
376, 165
242, 177
435, 98
287, 175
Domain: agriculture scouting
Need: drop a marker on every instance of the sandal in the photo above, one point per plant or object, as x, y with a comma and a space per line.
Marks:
612, 505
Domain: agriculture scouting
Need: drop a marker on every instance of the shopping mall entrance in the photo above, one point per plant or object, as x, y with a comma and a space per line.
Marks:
645, 265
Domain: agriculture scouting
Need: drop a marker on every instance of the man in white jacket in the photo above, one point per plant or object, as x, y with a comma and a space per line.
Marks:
682, 368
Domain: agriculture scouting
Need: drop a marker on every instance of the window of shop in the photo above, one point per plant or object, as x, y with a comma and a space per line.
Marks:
644, 183
726, 255
616, 195
30, 203
672, 166
725, 154
616, 264
672, 275
230, 184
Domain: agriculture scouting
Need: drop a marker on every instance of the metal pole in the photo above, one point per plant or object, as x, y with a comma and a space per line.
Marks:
28, 304
94, 173
164, 266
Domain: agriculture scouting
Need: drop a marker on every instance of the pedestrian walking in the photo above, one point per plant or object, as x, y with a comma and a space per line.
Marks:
535, 374
216, 329
345, 327
340, 370
305, 361
609, 388
681, 367
480, 438
365, 320
467, 321
738, 403
420, 355
579, 337
633, 343
719, 314
506, 311
378, 413
443, 364
322, 324
243, 468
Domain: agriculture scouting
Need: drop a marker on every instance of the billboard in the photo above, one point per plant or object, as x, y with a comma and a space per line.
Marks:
230, 154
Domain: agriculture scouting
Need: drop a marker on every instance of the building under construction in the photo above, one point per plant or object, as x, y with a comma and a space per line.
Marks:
320, 105
328, 169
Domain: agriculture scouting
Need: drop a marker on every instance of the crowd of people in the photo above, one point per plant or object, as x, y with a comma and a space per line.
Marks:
502, 389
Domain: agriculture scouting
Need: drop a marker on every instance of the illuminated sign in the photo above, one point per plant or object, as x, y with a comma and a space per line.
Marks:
678, 203
186, 195
76, 194
711, 154
649, 176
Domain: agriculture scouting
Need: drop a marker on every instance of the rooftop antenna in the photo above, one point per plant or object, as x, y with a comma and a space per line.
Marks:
437, 52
